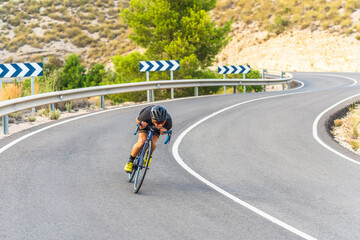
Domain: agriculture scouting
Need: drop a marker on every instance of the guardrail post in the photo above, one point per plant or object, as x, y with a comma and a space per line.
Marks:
172, 78
196, 91
282, 76
5, 122
52, 109
263, 76
102, 102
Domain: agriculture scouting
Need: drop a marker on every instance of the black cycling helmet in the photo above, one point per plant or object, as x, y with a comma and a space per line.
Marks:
158, 113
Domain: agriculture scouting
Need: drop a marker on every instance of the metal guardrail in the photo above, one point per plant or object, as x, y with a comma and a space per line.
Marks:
28, 102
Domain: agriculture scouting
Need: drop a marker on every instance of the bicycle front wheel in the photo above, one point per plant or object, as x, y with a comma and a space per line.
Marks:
142, 167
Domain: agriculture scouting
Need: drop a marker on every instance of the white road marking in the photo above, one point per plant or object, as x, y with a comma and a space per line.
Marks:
316, 136
3, 149
180, 161
333, 75
316, 122
244, 204
177, 157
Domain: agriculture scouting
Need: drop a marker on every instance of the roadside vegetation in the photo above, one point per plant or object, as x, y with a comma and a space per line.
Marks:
346, 129
192, 31
97, 31
280, 16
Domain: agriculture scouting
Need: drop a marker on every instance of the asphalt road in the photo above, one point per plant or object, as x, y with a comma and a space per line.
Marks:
67, 182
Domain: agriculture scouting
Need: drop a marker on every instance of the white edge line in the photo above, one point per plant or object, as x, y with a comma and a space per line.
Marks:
177, 157
316, 136
333, 75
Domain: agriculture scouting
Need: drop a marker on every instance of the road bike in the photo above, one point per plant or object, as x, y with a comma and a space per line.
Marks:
142, 160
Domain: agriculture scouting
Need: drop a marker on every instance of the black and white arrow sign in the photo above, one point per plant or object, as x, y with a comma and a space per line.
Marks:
10, 70
152, 66
234, 69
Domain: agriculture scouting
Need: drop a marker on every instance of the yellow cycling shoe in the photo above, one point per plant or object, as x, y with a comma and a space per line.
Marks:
128, 167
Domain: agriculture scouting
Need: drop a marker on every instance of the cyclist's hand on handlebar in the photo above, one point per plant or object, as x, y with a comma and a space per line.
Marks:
143, 124
163, 131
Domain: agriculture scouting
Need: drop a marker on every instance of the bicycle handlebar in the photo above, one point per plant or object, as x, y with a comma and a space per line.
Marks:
152, 128
168, 136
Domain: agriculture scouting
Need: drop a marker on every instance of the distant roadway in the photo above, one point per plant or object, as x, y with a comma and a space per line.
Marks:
239, 166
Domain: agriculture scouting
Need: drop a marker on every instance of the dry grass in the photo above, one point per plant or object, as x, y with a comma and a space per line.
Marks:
346, 129
10, 91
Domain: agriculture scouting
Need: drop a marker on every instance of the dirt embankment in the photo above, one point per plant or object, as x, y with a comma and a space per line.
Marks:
303, 51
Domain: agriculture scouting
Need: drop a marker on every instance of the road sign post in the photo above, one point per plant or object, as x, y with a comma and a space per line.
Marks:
172, 78
224, 85
152, 66
234, 69
13, 70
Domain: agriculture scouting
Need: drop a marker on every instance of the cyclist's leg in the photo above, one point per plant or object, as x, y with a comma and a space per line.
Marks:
154, 140
139, 144
135, 151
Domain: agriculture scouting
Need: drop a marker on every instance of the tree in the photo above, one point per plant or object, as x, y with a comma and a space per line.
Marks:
72, 75
176, 29
95, 75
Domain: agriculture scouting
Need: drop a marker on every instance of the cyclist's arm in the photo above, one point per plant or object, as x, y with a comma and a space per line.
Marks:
143, 123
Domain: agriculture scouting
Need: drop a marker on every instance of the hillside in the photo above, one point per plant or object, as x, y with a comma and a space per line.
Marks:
289, 35
32, 29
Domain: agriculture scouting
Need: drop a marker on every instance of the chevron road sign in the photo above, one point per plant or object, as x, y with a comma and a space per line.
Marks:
234, 69
152, 66
10, 70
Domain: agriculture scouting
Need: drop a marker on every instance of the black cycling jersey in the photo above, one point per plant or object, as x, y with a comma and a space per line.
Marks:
145, 116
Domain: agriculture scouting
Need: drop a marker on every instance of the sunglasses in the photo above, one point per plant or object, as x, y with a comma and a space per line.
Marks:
162, 123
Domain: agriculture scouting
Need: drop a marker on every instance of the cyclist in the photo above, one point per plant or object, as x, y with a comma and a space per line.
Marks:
157, 116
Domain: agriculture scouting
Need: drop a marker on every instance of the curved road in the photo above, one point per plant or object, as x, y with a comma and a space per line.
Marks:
67, 182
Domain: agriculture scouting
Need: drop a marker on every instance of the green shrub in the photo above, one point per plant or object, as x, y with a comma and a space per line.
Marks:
15, 21
358, 37
82, 40
43, 112
346, 23
69, 107
354, 144
338, 122
325, 24
50, 36
16, 43
33, 9
55, 115
31, 118
56, 16
73, 32
16, 115
93, 28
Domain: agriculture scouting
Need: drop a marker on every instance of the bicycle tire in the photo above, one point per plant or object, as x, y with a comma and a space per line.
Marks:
141, 170
132, 174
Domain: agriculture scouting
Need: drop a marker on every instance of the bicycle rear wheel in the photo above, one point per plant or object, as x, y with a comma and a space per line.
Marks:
133, 172
142, 168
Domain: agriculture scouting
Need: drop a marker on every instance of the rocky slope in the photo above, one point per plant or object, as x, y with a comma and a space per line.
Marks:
301, 50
